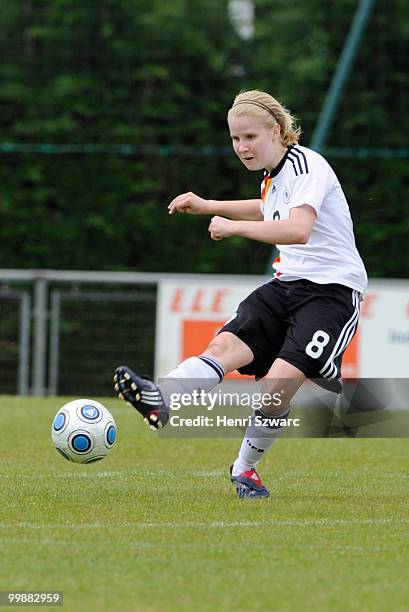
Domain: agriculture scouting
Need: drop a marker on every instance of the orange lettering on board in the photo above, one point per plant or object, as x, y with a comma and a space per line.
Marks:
219, 296
197, 305
176, 303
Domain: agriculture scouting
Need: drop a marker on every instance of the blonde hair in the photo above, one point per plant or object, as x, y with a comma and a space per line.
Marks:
268, 111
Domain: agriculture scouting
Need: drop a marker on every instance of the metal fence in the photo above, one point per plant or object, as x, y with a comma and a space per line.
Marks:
92, 332
65, 332
15, 307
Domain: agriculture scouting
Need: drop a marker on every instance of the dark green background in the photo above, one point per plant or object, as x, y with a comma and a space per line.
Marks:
164, 74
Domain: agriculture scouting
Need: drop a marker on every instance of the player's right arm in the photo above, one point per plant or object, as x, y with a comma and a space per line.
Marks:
192, 204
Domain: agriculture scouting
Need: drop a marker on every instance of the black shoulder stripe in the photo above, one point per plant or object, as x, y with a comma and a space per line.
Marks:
298, 160
303, 156
294, 166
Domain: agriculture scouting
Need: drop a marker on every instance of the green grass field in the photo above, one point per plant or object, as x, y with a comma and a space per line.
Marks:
157, 525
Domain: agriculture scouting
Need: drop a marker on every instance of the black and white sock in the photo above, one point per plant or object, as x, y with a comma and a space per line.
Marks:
195, 373
258, 439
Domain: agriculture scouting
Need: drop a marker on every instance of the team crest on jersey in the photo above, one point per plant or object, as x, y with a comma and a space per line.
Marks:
286, 196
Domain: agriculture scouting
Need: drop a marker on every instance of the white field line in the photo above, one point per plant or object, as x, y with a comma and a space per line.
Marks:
63, 475
122, 474
118, 473
212, 524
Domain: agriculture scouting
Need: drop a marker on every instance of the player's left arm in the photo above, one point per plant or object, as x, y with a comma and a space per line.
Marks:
294, 230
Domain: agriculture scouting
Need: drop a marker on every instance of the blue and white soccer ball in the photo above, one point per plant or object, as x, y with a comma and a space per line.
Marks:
83, 431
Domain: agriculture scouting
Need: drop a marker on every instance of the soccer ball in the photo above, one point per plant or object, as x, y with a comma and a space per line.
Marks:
83, 431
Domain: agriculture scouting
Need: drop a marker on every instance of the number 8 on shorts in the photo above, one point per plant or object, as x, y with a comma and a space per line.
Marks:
319, 341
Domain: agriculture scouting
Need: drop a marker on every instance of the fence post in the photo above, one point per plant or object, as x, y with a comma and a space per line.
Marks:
54, 341
40, 336
24, 344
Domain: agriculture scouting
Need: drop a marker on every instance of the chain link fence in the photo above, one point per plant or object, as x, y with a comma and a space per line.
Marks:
92, 332
15, 309
67, 337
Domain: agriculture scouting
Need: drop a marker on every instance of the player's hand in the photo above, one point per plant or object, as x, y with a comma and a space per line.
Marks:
220, 228
189, 203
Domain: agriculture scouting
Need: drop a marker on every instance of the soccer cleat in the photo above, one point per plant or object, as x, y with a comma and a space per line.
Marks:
143, 395
248, 484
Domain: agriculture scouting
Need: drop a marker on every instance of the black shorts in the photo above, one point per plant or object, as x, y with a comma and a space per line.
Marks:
307, 324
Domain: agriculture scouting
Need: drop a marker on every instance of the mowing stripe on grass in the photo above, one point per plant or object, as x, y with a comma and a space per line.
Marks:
212, 524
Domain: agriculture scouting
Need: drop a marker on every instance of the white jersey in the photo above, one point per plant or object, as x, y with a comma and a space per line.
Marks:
330, 255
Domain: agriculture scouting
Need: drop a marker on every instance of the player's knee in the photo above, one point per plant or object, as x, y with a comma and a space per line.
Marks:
231, 352
218, 347
275, 399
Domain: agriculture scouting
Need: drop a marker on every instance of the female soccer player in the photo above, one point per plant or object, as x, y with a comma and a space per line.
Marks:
299, 324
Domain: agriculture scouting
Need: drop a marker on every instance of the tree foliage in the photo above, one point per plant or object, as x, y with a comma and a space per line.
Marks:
163, 74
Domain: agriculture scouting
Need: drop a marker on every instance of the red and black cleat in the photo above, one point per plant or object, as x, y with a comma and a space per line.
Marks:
248, 484
143, 395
